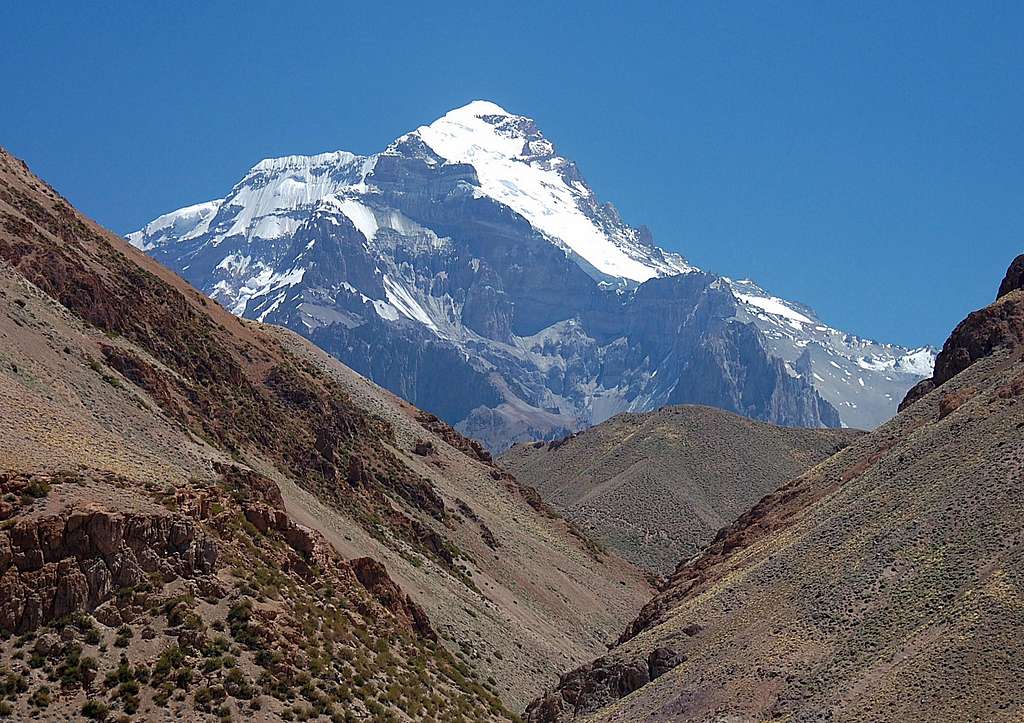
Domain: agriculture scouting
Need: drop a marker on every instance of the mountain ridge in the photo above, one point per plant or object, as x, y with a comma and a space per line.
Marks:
470, 244
656, 486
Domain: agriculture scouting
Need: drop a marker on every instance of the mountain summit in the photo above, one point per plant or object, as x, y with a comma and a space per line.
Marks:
518, 167
471, 269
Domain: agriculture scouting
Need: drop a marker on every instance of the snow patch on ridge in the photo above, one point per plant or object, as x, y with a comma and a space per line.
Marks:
177, 226
362, 217
774, 305
401, 299
266, 202
917, 361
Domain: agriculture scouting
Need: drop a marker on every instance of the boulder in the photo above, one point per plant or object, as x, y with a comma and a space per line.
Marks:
662, 660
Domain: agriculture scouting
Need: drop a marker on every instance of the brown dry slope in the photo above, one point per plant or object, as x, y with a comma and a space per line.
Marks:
203, 517
884, 584
656, 487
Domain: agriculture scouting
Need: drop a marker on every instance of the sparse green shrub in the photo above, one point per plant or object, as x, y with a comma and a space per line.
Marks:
238, 685
37, 489
183, 678
238, 622
95, 710
169, 660
40, 698
13, 685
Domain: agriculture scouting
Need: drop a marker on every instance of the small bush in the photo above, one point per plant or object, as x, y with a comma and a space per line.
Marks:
37, 489
40, 698
95, 710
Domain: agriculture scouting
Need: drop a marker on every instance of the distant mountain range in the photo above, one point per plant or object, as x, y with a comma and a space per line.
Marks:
470, 269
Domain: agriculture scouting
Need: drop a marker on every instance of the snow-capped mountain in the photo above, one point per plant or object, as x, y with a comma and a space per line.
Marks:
863, 379
471, 269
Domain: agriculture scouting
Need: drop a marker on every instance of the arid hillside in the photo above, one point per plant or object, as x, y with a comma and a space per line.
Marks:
656, 487
881, 585
202, 516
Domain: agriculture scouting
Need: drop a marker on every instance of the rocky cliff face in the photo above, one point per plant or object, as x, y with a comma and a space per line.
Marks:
53, 565
1014, 279
470, 269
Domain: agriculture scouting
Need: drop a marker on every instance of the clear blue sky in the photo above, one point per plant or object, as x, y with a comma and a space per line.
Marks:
864, 158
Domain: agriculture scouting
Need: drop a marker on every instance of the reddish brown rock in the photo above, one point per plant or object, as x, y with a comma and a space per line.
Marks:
252, 485
1014, 278
311, 547
373, 576
300, 538
469, 447
921, 389
591, 687
952, 401
265, 518
108, 614
998, 325
59, 564
424, 448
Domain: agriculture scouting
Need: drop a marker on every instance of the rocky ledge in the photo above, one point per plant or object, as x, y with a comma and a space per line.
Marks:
74, 561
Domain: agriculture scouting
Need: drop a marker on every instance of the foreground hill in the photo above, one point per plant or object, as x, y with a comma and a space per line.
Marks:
882, 584
656, 487
469, 268
201, 515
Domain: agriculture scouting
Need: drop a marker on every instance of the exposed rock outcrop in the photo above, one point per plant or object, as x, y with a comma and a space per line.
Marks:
917, 391
593, 686
54, 565
1014, 279
999, 325
300, 538
374, 577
